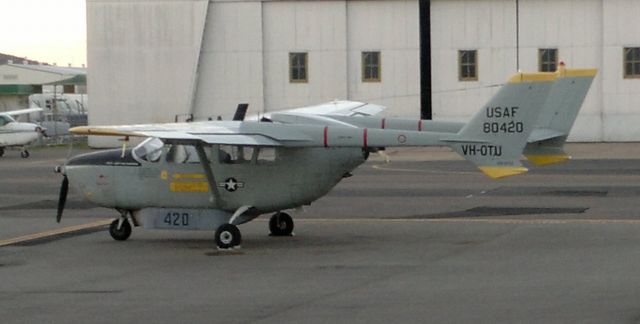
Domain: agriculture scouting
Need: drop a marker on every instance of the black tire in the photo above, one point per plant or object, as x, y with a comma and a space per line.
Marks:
24, 154
281, 224
228, 236
123, 233
1, 151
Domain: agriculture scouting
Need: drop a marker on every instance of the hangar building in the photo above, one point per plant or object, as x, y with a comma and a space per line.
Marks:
155, 60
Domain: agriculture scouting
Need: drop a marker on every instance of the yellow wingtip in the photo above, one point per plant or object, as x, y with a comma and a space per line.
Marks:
88, 130
541, 160
497, 172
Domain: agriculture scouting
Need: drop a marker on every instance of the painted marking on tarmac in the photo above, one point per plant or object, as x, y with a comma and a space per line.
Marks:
515, 221
54, 232
384, 168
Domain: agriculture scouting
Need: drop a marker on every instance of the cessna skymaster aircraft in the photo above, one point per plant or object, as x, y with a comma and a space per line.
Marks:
215, 175
13, 133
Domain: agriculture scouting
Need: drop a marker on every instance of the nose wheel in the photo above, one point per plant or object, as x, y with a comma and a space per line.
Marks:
281, 224
120, 229
24, 154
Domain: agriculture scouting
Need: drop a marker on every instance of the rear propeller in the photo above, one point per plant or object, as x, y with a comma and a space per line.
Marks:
64, 188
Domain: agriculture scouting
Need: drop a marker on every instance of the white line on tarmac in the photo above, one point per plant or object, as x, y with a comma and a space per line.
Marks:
537, 221
54, 232
384, 168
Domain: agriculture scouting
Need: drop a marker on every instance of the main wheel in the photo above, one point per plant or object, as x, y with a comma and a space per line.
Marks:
228, 236
120, 234
24, 154
281, 224
1, 151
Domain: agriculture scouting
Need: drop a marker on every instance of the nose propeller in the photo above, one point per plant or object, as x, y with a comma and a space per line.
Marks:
64, 188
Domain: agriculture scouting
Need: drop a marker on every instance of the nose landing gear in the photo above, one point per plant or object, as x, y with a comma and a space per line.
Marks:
120, 229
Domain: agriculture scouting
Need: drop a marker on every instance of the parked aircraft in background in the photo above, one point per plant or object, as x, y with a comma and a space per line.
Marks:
216, 175
16, 134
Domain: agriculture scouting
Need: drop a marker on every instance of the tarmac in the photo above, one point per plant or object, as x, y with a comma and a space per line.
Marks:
425, 238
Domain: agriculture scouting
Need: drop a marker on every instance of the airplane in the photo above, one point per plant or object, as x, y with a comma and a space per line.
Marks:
13, 133
215, 175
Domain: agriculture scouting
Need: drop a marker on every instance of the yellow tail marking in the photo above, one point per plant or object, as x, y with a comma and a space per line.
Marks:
497, 172
547, 159
533, 77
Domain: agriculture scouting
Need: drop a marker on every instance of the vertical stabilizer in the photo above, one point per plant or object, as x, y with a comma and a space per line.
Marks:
545, 145
496, 136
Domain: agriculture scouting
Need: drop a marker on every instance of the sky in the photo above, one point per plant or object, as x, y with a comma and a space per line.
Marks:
50, 31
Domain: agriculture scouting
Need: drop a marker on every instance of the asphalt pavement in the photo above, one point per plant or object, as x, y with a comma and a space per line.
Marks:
425, 238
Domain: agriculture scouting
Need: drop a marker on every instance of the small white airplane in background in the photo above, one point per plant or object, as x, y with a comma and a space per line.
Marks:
13, 133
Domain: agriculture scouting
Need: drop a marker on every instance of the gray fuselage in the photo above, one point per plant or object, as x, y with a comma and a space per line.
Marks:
281, 179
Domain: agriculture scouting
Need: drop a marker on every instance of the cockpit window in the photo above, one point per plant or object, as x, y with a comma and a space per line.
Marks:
182, 154
149, 150
5, 119
236, 154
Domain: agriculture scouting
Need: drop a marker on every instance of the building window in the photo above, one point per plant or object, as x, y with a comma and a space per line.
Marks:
298, 67
548, 59
631, 62
370, 66
467, 65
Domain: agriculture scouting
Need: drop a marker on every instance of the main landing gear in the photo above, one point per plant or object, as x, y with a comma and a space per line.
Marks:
281, 224
24, 153
228, 235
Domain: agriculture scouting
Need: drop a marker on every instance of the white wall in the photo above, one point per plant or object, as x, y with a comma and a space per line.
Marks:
142, 57
315, 27
621, 97
485, 25
230, 69
391, 27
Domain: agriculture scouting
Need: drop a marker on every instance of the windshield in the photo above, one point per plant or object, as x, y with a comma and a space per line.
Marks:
149, 150
5, 119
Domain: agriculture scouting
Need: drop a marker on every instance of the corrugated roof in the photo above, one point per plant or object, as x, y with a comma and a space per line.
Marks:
52, 69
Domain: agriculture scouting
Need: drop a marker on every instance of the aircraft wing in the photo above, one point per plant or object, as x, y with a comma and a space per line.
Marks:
333, 108
21, 111
211, 132
340, 108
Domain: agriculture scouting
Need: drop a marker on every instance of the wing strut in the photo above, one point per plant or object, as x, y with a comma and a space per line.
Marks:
206, 165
